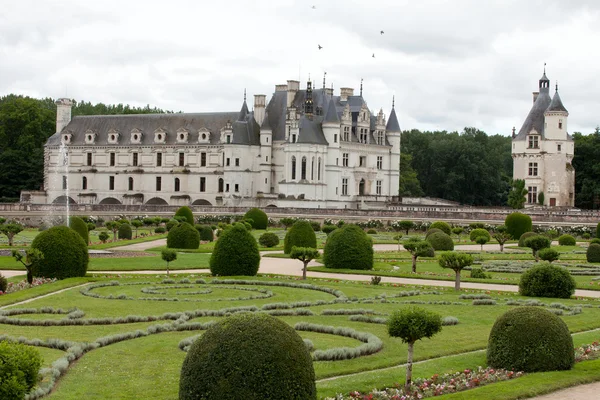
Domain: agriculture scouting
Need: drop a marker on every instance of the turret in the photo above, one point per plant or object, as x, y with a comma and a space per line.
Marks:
63, 113
266, 153
393, 133
556, 116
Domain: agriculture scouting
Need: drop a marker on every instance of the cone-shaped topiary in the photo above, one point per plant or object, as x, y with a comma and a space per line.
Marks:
530, 339
65, 253
547, 280
593, 253
186, 212
441, 225
525, 236
440, 241
125, 232
301, 234
79, 226
259, 218
183, 236
251, 357
517, 224
567, 240
235, 253
348, 247
206, 232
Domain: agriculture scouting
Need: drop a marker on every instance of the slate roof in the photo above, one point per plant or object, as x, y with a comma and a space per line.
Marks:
535, 119
331, 114
392, 123
311, 131
556, 104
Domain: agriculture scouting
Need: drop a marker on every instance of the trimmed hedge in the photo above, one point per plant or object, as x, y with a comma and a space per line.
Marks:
517, 224
206, 232
65, 253
248, 356
524, 236
301, 234
186, 212
268, 239
19, 367
79, 226
348, 247
441, 225
327, 229
479, 232
593, 253
567, 240
259, 218
440, 241
183, 236
125, 231
530, 339
235, 253
547, 280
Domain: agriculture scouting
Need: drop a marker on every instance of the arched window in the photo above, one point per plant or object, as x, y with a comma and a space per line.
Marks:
293, 167
303, 175
319, 170
177, 184
84, 183
312, 169
220, 185
130, 183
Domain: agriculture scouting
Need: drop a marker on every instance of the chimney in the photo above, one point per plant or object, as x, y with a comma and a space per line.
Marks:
329, 91
292, 88
259, 108
535, 96
345, 93
281, 88
63, 113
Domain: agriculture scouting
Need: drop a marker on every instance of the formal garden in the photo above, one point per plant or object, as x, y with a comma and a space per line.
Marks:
161, 334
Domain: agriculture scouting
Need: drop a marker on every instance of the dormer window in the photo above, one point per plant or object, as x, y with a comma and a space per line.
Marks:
228, 138
66, 138
182, 135
90, 136
534, 142
136, 136
203, 136
113, 136
160, 136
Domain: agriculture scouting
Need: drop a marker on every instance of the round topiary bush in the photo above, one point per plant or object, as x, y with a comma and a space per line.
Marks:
248, 356
268, 239
440, 241
547, 280
524, 236
259, 218
160, 229
235, 253
301, 234
441, 225
530, 339
593, 253
186, 212
372, 231
19, 368
348, 247
479, 232
206, 233
517, 224
79, 226
566, 240
548, 254
432, 231
125, 232
65, 253
183, 236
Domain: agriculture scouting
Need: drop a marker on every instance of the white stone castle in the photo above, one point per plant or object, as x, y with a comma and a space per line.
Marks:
305, 148
543, 151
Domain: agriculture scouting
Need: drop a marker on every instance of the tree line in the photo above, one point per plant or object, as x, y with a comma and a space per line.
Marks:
469, 167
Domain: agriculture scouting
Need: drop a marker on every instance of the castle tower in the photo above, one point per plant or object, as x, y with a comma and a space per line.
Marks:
393, 134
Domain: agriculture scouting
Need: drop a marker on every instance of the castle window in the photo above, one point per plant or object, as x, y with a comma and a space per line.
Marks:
237, 162
227, 188
293, 167
158, 183
135, 159
378, 188
294, 138
177, 185
181, 159
533, 169
362, 161
64, 182
560, 124
312, 169
303, 170
228, 138
203, 184
237, 187
159, 159
89, 159
344, 186
379, 162
346, 134
84, 183
203, 159
130, 183
380, 138
112, 159
220, 185
532, 194
558, 147
335, 138
533, 142
267, 158
111, 183
228, 162
345, 158
319, 170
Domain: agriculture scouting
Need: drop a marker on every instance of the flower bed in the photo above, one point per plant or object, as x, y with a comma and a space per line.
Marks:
15, 287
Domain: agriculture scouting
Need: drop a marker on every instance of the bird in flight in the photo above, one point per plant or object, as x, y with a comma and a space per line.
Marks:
373, 55
381, 32
320, 47
314, 7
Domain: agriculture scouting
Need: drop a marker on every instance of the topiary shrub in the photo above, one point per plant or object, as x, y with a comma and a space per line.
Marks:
268, 239
248, 356
547, 280
160, 229
301, 234
125, 232
525, 236
259, 218
372, 231
479, 274
440, 241
432, 231
183, 236
235, 253
586, 235
441, 225
479, 232
19, 367
593, 253
530, 339
65, 253
315, 225
567, 240
186, 212
517, 224
595, 240
327, 229
206, 233
3, 283
172, 223
348, 247
79, 226
548, 254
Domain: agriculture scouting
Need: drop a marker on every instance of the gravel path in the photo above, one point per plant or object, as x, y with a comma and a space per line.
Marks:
581, 392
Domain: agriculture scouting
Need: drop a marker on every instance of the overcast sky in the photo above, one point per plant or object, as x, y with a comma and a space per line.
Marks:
450, 64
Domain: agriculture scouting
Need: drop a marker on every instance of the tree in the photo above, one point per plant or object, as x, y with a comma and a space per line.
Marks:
398, 237
536, 243
417, 248
406, 225
103, 236
501, 237
409, 181
287, 222
481, 240
548, 254
11, 230
32, 256
457, 230
541, 198
456, 262
304, 254
412, 324
114, 227
136, 223
516, 196
168, 255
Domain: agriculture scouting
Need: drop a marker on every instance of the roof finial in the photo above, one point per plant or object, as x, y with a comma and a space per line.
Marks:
393, 101
557, 85
544, 68
513, 132
244, 95
324, 75
361, 81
